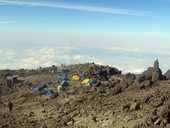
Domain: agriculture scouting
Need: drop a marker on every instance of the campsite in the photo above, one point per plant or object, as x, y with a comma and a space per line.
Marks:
85, 96
84, 63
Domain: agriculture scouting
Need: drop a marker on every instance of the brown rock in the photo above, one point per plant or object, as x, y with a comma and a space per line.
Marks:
155, 76
156, 102
165, 113
167, 75
116, 89
135, 106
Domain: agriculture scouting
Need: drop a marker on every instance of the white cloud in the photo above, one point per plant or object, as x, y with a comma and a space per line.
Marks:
135, 70
8, 22
127, 49
48, 56
70, 48
141, 51
33, 58
77, 7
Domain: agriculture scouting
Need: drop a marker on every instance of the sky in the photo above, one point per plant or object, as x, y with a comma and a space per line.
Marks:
127, 34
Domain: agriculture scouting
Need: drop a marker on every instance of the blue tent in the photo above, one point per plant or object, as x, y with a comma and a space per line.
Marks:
65, 70
40, 88
86, 85
93, 81
64, 84
48, 93
62, 77
82, 74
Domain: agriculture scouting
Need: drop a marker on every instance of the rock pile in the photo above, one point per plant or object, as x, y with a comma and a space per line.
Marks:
151, 75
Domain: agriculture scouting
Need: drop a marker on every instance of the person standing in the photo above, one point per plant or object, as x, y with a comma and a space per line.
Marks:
10, 106
156, 64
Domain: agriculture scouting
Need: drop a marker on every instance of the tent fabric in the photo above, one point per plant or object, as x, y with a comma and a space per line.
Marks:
64, 84
59, 88
40, 88
86, 85
62, 77
76, 78
65, 70
85, 81
82, 74
48, 93
92, 81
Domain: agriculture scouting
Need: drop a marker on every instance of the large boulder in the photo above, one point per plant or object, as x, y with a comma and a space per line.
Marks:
124, 85
112, 71
129, 78
101, 72
146, 75
155, 76
152, 73
167, 75
117, 89
165, 113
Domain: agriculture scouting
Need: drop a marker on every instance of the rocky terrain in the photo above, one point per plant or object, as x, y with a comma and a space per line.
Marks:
116, 101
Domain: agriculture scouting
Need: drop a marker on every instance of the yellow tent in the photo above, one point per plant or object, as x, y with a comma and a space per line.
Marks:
85, 81
59, 88
76, 78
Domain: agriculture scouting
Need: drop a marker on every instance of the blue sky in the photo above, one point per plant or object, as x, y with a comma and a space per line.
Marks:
128, 34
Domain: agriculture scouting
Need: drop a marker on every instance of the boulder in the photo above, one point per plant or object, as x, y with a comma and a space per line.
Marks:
117, 89
167, 75
157, 102
165, 113
148, 73
147, 83
124, 85
125, 108
155, 76
144, 84
134, 106
129, 77
112, 71
152, 73
140, 78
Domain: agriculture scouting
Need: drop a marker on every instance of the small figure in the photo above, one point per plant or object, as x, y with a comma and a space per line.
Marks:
156, 64
10, 106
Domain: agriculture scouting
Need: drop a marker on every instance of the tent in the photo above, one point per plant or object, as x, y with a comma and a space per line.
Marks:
76, 78
62, 77
82, 74
48, 93
64, 84
93, 81
85, 81
59, 88
65, 70
40, 88
86, 85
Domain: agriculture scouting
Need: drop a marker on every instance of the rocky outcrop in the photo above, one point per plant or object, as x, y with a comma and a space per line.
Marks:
100, 72
152, 73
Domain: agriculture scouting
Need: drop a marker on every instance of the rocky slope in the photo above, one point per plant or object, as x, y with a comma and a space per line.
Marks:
115, 101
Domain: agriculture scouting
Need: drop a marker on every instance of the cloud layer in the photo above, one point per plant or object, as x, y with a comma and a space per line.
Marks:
44, 57
126, 59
